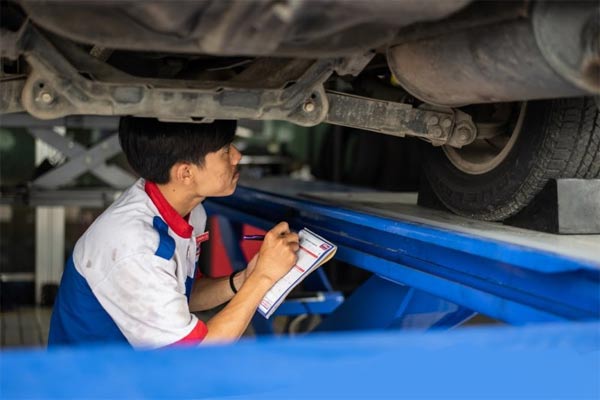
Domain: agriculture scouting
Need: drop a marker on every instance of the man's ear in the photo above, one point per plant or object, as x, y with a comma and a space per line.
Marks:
182, 172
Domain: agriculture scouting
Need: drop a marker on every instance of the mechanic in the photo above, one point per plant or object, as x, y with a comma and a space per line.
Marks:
131, 275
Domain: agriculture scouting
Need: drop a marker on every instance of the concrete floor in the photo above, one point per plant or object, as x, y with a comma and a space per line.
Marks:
27, 326
24, 327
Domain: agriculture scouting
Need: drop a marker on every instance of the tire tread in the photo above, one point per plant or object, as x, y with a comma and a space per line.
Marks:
569, 147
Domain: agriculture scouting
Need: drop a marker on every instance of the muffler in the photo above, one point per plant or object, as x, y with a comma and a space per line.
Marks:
552, 53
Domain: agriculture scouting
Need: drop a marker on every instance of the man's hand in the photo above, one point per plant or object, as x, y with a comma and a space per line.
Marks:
277, 255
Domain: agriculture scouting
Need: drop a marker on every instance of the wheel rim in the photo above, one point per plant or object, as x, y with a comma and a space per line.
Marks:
483, 155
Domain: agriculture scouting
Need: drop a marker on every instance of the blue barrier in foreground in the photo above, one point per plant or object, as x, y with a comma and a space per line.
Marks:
544, 360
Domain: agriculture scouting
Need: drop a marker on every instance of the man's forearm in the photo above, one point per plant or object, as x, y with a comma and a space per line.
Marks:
208, 293
231, 322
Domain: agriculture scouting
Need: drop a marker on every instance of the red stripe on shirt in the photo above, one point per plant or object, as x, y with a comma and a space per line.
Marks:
175, 221
194, 337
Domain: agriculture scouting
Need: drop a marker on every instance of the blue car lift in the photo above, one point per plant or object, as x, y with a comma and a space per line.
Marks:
430, 270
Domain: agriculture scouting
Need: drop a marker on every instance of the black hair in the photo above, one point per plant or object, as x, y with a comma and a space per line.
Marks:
153, 147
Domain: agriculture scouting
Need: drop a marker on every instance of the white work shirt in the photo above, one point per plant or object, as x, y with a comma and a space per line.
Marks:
138, 260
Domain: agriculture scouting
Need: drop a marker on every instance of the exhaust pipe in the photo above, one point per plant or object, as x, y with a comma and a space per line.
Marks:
554, 53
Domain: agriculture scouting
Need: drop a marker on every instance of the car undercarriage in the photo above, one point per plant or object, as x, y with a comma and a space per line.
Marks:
501, 93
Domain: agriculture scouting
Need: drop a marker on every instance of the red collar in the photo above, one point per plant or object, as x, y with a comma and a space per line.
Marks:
172, 217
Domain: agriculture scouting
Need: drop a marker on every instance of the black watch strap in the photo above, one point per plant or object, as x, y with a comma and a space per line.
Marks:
231, 284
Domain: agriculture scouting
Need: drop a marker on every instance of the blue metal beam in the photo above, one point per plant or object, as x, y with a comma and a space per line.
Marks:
541, 361
374, 305
511, 282
380, 303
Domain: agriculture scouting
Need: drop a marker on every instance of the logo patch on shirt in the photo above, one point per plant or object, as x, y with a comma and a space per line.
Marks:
203, 237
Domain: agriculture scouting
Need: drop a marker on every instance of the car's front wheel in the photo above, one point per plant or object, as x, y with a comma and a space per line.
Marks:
523, 146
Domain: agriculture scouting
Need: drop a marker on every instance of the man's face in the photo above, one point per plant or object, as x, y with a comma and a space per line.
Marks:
219, 174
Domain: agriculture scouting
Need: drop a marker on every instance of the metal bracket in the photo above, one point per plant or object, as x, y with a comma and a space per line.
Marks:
440, 126
55, 88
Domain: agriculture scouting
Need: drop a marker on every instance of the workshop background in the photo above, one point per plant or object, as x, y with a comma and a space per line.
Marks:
34, 241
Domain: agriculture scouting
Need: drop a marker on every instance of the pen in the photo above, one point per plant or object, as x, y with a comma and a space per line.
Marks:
253, 237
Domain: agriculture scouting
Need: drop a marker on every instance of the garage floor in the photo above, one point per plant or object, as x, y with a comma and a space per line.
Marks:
24, 327
28, 326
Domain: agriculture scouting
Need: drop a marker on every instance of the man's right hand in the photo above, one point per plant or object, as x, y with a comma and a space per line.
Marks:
277, 254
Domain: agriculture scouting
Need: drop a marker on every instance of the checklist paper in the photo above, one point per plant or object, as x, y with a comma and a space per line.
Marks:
314, 251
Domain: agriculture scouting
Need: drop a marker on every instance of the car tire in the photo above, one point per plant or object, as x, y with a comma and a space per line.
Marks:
555, 139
